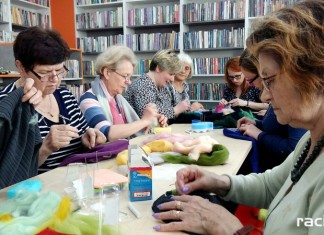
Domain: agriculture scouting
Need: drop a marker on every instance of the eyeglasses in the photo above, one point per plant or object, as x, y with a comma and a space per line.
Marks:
253, 79
267, 81
46, 77
127, 77
238, 76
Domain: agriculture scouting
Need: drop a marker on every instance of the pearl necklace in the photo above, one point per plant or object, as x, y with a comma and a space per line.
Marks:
301, 165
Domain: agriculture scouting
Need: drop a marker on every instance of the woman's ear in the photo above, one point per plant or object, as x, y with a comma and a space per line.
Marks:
19, 65
21, 68
105, 73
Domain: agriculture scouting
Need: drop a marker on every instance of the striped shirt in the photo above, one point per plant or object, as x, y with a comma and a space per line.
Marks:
93, 112
70, 114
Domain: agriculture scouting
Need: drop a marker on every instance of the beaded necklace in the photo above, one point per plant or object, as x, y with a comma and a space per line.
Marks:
300, 166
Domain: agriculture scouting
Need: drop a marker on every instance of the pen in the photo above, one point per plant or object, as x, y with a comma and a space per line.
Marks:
133, 209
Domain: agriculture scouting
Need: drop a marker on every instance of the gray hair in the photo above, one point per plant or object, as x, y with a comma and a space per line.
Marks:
185, 58
112, 56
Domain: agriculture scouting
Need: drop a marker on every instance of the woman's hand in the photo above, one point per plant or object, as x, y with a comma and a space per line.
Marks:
223, 102
193, 178
195, 106
182, 107
31, 94
198, 215
93, 137
163, 121
60, 136
238, 102
250, 130
245, 121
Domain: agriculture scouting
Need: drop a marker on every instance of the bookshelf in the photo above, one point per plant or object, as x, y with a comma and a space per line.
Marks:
210, 31
16, 15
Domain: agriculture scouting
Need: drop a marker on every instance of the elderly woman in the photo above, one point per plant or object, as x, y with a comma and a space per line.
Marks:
238, 91
103, 105
39, 58
179, 87
288, 45
151, 86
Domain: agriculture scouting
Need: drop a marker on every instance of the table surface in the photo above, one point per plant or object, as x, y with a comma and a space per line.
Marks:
163, 179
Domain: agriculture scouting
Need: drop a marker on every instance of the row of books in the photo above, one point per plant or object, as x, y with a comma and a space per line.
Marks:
88, 68
216, 38
89, 2
73, 67
4, 15
263, 7
23, 17
206, 91
100, 19
211, 11
153, 15
5, 36
142, 66
206, 66
76, 89
152, 41
98, 44
44, 3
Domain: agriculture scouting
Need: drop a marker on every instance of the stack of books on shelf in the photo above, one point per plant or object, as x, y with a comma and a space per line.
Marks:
5, 36
88, 68
100, 19
216, 38
44, 3
207, 66
73, 67
98, 44
153, 15
212, 11
153, 41
206, 91
27, 18
260, 8
89, 2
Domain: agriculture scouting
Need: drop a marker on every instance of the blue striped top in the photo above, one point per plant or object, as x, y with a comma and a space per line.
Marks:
70, 114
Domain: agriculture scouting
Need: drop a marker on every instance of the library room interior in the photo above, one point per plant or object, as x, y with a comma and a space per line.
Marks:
161, 117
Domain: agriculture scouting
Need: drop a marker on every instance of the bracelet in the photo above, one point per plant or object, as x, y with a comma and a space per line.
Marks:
247, 103
245, 230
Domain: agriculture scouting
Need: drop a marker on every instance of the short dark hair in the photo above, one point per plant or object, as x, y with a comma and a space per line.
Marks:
37, 46
248, 62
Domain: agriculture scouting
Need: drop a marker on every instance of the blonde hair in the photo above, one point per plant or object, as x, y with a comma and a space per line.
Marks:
112, 56
185, 58
294, 38
167, 60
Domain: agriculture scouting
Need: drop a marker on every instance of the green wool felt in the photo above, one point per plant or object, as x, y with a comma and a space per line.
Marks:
230, 120
219, 155
83, 225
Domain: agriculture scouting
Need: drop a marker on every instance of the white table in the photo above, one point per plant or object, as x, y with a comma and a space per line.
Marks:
163, 179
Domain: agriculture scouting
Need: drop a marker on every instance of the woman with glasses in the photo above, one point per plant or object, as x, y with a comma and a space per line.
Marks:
151, 87
179, 87
103, 105
238, 92
288, 45
179, 90
275, 141
39, 56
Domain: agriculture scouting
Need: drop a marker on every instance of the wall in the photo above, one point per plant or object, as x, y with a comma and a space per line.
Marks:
63, 20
